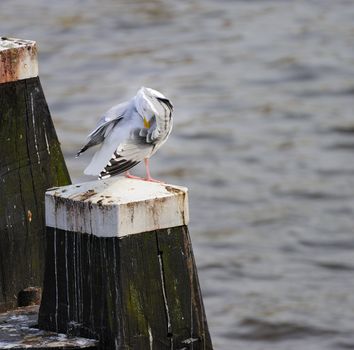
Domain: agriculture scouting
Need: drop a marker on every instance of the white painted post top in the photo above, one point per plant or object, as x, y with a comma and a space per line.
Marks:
18, 59
116, 207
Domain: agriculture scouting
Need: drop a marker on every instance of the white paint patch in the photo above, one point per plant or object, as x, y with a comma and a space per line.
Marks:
56, 281
67, 273
169, 328
34, 129
189, 340
116, 207
150, 337
46, 141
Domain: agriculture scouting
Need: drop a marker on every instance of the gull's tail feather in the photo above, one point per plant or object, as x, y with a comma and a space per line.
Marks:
99, 161
95, 166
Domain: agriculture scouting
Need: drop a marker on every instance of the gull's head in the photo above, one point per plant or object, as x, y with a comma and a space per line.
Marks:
146, 102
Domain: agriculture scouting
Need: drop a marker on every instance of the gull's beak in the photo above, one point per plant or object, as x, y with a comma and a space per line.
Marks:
146, 123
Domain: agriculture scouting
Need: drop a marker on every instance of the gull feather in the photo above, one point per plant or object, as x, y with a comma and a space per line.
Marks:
122, 137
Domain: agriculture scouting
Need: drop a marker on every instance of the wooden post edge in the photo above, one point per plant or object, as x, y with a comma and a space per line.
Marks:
120, 266
30, 162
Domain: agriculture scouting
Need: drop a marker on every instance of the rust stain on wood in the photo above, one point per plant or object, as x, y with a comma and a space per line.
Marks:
181, 200
174, 190
18, 59
86, 195
29, 216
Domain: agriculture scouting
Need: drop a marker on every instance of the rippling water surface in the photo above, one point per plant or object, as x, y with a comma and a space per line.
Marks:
263, 137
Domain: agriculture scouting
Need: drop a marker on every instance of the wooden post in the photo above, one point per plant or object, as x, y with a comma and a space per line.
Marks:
120, 266
30, 162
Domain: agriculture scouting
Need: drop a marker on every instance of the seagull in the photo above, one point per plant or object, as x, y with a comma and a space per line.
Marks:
128, 133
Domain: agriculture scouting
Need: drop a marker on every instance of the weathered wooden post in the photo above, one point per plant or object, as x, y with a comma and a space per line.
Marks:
120, 266
30, 162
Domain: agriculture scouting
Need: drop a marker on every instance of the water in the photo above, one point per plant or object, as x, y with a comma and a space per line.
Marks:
263, 137
18, 331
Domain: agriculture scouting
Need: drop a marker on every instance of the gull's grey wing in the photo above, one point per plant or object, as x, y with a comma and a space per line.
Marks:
98, 135
105, 125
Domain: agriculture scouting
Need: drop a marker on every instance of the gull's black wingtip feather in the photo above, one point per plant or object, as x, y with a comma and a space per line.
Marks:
117, 165
167, 102
82, 150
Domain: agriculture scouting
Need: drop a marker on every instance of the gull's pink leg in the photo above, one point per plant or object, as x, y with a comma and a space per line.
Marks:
130, 176
148, 176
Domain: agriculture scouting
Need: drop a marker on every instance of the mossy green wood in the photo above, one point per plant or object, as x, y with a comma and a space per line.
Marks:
183, 294
144, 311
140, 291
31, 161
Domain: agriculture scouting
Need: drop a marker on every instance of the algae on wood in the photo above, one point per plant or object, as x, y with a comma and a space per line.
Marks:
31, 161
140, 291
